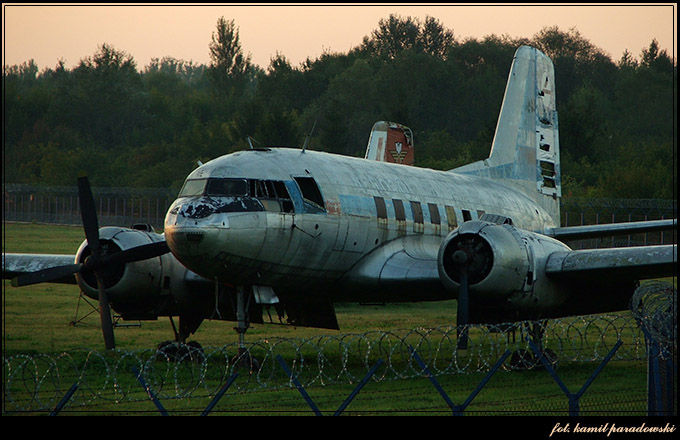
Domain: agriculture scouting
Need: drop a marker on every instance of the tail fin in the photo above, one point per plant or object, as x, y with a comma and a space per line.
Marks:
525, 149
390, 142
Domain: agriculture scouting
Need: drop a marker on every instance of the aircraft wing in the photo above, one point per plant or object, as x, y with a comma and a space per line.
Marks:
620, 264
594, 231
405, 264
16, 264
400, 266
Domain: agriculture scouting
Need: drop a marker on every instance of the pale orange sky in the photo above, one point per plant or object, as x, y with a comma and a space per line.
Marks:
48, 33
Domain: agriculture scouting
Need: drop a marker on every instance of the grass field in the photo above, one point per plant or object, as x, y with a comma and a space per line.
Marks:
40, 320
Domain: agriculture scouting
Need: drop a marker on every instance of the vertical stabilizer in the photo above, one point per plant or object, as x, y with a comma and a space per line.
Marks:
390, 142
525, 149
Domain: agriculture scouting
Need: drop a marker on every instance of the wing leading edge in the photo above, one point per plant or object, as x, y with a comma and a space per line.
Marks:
402, 267
14, 265
630, 263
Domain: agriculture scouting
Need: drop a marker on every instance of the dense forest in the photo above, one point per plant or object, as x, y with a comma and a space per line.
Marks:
147, 127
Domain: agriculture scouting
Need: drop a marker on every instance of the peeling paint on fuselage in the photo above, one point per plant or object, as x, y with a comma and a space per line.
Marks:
295, 249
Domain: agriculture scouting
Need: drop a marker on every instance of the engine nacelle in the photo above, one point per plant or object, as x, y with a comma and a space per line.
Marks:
132, 286
505, 265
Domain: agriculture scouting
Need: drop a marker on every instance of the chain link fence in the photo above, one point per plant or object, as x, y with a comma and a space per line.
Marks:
59, 205
36, 382
578, 211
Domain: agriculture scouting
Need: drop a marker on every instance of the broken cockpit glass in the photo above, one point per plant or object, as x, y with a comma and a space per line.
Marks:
272, 194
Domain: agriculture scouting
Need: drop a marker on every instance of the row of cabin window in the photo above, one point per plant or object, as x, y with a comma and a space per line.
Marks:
417, 210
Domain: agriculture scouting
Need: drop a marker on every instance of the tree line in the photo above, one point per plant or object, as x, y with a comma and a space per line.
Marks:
148, 127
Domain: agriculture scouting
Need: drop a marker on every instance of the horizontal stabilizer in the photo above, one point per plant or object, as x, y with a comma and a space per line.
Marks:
605, 230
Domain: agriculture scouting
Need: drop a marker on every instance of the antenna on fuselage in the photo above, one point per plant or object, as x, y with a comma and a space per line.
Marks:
250, 139
304, 146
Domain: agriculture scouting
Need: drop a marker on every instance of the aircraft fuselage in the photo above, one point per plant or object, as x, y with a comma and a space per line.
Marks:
294, 219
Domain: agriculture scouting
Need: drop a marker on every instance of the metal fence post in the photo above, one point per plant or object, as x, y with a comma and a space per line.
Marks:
573, 398
219, 395
459, 409
344, 404
64, 400
656, 394
150, 393
299, 386
358, 388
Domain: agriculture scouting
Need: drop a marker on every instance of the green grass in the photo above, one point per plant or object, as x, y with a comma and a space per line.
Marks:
40, 320
40, 238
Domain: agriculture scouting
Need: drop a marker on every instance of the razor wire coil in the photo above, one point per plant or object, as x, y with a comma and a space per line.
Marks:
37, 382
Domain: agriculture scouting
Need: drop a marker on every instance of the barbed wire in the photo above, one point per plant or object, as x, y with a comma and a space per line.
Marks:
654, 306
34, 382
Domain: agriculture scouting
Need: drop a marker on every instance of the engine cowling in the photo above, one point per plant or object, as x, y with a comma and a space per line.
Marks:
132, 286
505, 265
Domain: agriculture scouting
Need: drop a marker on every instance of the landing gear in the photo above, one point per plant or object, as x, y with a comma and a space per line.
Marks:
244, 358
526, 359
228, 305
180, 350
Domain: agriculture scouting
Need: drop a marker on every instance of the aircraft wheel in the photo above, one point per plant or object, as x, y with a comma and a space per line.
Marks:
166, 349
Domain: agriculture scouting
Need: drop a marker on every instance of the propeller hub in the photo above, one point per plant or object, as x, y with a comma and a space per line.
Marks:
92, 261
99, 262
469, 253
459, 257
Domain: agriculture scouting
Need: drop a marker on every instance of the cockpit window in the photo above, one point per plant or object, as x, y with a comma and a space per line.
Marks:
227, 187
272, 193
193, 187
258, 188
310, 193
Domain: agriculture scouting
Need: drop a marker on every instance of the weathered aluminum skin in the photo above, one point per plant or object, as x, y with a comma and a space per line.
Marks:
383, 226
589, 231
17, 264
525, 148
631, 263
295, 249
159, 286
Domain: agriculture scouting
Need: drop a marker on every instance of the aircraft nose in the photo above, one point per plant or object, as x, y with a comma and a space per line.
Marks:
186, 241
187, 225
209, 241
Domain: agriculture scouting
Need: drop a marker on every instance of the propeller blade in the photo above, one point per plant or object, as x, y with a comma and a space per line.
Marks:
463, 311
45, 275
88, 213
463, 300
105, 314
138, 253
